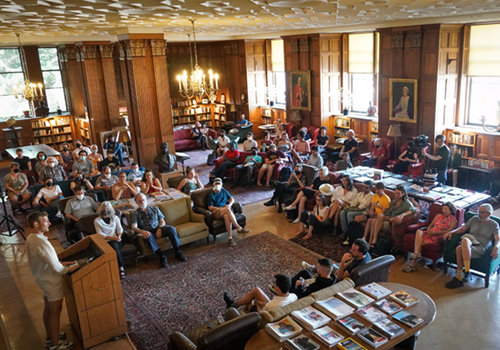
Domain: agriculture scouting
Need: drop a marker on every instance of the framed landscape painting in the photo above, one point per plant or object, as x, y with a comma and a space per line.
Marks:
299, 87
403, 100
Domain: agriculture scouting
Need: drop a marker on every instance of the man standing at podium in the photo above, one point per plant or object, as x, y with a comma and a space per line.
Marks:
48, 272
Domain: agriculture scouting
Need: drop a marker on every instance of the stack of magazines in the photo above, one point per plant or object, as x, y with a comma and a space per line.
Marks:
351, 325
350, 344
371, 314
388, 306
404, 298
375, 290
310, 318
389, 328
408, 319
334, 308
284, 329
301, 343
372, 337
355, 298
327, 336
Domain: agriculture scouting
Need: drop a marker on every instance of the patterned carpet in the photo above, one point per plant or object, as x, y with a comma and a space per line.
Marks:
184, 295
326, 245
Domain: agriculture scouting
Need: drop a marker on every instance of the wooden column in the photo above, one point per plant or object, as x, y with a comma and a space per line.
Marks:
74, 85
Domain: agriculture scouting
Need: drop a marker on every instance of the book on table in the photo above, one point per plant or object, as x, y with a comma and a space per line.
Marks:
310, 318
371, 313
404, 298
355, 298
327, 336
389, 328
283, 329
372, 337
375, 290
388, 306
350, 344
333, 307
351, 325
408, 319
301, 342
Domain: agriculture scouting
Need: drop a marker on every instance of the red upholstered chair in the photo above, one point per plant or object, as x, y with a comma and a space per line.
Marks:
383, 161
31, 176
398, 231
314, 131
291, 130
414, 169
243, 155
433, 251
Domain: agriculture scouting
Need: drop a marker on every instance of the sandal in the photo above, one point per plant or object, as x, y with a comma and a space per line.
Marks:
409, 268
416, 256
306, 237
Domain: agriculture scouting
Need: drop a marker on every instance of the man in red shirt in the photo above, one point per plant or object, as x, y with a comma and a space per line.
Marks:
230, 160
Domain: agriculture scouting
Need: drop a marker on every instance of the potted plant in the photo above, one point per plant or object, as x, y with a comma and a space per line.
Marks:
345, 98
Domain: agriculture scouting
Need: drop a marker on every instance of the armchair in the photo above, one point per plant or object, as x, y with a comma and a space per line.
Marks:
215, 226
414, 169
291, 129
382, 161
433, 251
243, 155
173, 182
334, 179
376, 270
398, 231
243, 132
485, 265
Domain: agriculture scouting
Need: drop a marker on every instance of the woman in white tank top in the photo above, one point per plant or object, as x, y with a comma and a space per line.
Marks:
316, 221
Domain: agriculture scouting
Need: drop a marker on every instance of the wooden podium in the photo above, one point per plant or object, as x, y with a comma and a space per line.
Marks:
94, 293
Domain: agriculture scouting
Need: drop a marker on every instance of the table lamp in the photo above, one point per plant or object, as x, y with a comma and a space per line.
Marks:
395, 131
233, 110
295, 117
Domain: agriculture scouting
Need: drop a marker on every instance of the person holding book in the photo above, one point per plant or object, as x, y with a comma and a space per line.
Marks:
357, 256
257, 300
324, 279
342, 198
481, 233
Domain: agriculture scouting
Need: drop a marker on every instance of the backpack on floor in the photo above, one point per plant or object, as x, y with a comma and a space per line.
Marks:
382, 247
354, 231
210, 159
285, 174
292, 214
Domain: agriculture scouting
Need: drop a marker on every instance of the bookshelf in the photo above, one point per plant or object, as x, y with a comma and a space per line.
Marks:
342, 124
52, 131
465, 142
373, 128
13, 136
266, 116
82, 129
212, 114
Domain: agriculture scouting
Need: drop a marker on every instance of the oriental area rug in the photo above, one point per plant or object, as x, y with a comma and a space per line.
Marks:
325, 245
184, 295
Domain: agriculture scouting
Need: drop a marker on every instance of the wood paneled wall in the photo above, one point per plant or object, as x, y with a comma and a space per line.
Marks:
257, 75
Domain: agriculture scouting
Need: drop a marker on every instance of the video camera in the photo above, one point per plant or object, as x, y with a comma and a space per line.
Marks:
420, 141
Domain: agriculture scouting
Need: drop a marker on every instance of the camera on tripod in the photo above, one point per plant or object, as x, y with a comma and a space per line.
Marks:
420, 141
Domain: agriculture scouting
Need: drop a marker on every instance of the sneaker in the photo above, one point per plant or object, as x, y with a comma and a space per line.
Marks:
59, 215
163, 262
48, 341
228, 300
243, 231
231, 242
63, 345
454, 283
307, 266
467, 277
346, 242
291, 207
271, 288
269, 203
280, 209
179, 255
296, 221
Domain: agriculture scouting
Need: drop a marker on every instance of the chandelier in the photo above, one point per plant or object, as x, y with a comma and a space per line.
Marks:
29, 91
195, 84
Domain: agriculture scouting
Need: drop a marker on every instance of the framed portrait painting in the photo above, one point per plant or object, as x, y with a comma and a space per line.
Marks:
403, 100
299, 87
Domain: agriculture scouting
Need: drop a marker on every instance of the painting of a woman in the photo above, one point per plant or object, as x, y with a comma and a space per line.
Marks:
403, 94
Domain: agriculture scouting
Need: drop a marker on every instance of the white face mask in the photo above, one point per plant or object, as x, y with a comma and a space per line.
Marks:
217, 187
107, 176
80, 196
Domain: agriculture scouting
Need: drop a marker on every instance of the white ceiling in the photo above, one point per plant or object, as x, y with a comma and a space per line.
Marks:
58, 21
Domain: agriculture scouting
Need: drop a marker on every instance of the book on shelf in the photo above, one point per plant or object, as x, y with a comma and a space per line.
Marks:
351, 325
408, 319
389, 328
301, 342
372, 337
350, 344
371, 314
310, 318
388, 306
327, 336
375, 290
355, 298
283, 329
333, 307
404, 298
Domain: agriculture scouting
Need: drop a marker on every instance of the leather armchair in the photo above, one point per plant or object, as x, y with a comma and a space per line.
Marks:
376, 270
414, 169
291, 129
382, 161
230, 335
215, 226
173, 182
243, 132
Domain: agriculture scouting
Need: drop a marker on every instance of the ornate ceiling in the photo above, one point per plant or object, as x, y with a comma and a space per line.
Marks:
59, 20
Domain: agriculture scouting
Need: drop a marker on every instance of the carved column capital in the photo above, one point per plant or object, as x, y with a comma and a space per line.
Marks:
62, 54
398, 40
304, 45
137, 48
294, 44
158, 47
87, 52
106, 50
415, 39
71, 53
121, 50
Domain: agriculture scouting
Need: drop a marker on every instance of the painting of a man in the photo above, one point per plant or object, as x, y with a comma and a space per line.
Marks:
300, 90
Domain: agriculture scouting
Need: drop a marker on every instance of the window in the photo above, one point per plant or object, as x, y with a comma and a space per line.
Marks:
278, 89
11, 74
52, 79
361, 48
484, 100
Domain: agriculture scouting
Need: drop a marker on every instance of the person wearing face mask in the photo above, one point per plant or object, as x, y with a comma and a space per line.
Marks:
49, 196
108, 225
116, 147
191, 182
220, 202
284, 189
78, 148
67, 156
149, 222
222, 143
24, 161
378, 151
230, 161
80, 180
135, 176
150, 184
111, 160
106, 181
441, 158
315, 159
53, 171
16, 184
41, 163
83, 165
249, 143
94, 156
78, 206
252, 162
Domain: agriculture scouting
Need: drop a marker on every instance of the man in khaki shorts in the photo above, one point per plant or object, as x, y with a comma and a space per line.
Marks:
48, 272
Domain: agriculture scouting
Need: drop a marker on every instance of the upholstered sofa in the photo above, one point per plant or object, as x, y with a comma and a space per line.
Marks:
183, 140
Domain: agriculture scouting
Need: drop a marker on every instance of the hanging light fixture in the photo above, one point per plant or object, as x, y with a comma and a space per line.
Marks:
195, 84
29, 91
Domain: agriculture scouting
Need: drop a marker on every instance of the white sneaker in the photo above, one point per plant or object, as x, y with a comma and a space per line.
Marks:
63, 345
291, 207
307, 266
48, 341
59, 215
296, 221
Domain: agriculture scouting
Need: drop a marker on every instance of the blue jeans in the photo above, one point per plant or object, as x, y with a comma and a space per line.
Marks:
442, 176
166, 231
347, 217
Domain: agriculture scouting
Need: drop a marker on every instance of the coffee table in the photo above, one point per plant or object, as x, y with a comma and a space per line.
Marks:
425, 308
32, 150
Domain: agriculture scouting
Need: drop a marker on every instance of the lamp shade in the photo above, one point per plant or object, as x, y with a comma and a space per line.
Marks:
295, 116
233, 108
394, 130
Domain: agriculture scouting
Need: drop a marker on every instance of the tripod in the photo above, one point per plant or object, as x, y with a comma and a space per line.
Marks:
9, 220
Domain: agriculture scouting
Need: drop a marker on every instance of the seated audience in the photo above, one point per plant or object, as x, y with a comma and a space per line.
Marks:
301, 148
322, 140
222, 143
149, 183
95, 157
257, 300
350, 146
123, 189
272, 157
315, 159
78, 148
454, 163
297, 180
284, 145
358, 209
344, 163
309, 192
108, 225
49, 196
357, 256
78, 206
220, 202
111, 160
41, 163
280, 132
111, 144
378, 150
316, 221
249, 143
380, 204
67, 156
243, 173
53, 171
307, 135
264, 144
82, 181
105, 182
343, 196
191, 182
83, 165
200, 137
242, 121
230, 161
149, 222
204, 131
481, 233
409, 156
23, 161
440, 225
16, 184
324, 279
135, 176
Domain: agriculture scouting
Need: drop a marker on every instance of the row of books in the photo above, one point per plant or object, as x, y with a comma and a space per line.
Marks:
61, 138
341, 132
42, 132
43, 140
461, 138
62, 129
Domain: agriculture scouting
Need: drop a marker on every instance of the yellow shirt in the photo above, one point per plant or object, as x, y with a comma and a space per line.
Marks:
385, 201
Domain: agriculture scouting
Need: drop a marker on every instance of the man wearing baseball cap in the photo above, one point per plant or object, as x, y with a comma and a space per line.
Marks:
303, 283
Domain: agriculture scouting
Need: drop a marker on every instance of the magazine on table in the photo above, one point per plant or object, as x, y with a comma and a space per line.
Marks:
375, 290
389, 328
283, 329
327, 336
351, 325
333, 307
301, 343
408, 319
371, 314
404, 298
310, 318
355, 298
372, 337
388, 306
350, 344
